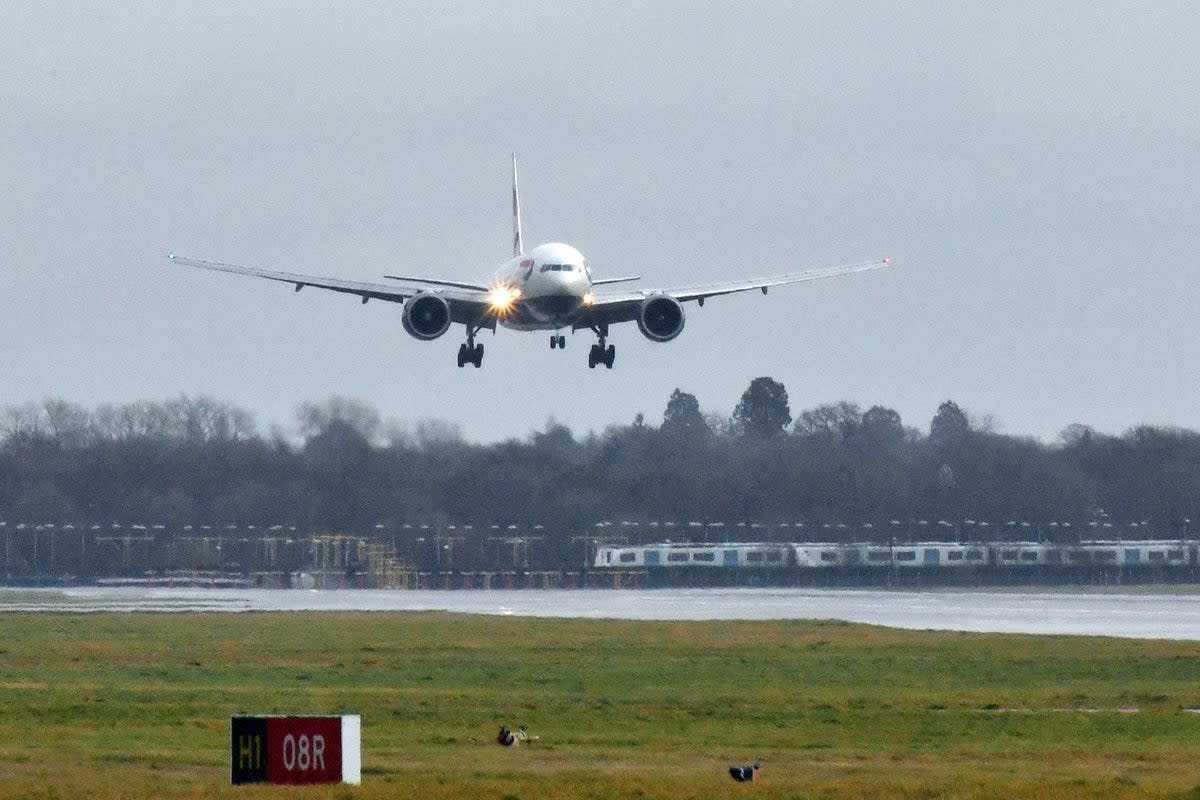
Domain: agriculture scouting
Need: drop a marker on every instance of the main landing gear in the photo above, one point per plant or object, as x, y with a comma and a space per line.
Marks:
469, 352
599, 354
558, 341
602, 355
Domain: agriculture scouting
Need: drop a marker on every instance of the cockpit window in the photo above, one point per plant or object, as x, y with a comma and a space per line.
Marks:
558, 268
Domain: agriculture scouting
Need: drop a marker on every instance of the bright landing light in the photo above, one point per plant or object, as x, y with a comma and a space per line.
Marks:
501, 298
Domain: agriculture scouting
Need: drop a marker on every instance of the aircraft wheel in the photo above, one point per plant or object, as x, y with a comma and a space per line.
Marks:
610, 355
477, 356
462, 355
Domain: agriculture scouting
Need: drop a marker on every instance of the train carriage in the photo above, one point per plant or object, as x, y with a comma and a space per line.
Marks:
668, 554
1134, 554
818, 555
1001, 557
1025, 554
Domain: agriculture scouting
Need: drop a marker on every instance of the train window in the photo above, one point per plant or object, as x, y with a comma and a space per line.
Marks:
1106, 555
1077, 556
906, 555
1156, 555
774, 555
954, 555
754, 555
974, 555
829, 555
677, 557
627, 558
879, 555
1175, 555
1029, 555
710, 556
1008, 555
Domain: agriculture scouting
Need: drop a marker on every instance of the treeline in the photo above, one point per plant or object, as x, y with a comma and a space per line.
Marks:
194, 461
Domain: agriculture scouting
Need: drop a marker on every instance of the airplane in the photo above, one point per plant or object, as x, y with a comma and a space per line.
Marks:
549, 288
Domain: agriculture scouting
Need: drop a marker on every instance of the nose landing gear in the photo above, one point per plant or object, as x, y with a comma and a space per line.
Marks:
558, 341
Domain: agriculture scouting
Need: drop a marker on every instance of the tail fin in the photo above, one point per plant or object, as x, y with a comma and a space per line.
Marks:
518, 247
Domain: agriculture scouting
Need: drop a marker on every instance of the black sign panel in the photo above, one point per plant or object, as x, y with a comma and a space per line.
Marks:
248, 749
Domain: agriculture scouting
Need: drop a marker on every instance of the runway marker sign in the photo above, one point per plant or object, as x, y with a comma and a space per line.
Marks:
295, 750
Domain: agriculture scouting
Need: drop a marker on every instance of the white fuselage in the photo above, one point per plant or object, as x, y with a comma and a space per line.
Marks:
551, 284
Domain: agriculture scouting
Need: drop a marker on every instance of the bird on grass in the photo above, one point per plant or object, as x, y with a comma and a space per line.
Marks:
746, 772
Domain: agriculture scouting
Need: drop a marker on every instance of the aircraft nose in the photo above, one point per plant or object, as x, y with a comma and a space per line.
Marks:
556, 303
563, 294
566, 283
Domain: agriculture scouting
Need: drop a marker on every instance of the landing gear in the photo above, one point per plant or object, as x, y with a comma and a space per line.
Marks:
469, 352
602, 355
599, 354
558, 341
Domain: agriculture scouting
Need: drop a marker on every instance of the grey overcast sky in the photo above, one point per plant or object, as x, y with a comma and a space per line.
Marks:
1033, 169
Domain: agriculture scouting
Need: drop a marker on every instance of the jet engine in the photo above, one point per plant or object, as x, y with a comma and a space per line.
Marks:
660, 318
426, 316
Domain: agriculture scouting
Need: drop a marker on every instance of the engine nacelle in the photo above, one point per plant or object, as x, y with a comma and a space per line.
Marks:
426, 316
660, 318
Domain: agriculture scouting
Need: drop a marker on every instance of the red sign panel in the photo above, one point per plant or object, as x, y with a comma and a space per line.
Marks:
304, 749
285, 749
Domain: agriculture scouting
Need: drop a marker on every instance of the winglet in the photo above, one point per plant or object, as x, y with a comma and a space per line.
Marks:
518, 247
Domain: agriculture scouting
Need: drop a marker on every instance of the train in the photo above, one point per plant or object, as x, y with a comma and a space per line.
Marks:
907, 556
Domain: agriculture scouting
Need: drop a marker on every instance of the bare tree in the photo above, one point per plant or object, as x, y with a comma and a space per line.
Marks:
313, 418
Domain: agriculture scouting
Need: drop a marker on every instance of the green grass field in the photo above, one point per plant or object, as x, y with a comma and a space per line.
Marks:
138, 705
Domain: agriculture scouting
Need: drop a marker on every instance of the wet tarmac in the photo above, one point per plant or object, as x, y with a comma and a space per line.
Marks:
1143, 615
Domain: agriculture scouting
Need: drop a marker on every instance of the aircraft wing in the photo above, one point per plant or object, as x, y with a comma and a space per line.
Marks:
623, 306
467, 304
477, 287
